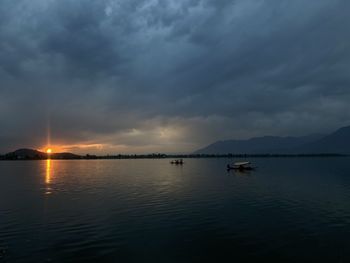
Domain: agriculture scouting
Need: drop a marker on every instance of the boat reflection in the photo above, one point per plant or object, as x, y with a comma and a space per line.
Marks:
243, 172
239, 172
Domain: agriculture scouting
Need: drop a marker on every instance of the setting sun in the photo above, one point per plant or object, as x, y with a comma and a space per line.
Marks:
48, 151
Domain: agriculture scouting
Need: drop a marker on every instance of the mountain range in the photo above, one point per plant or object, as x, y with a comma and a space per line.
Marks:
337, 142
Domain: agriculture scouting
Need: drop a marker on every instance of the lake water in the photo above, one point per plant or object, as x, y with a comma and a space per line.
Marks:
288, 210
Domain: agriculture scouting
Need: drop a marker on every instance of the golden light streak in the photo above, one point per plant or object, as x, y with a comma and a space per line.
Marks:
73, 148
48, 176
48, 171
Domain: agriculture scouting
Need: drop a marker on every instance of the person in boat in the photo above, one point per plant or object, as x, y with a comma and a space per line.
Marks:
179, 161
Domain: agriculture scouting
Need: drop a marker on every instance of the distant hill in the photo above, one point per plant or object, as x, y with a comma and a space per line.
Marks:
30, 154
26, 154
337, 142
258, 145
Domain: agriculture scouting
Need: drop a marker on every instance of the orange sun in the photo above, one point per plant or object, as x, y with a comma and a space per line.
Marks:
49, 151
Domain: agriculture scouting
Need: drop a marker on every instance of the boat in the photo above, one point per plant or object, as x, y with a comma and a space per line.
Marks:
241, 166
177, 162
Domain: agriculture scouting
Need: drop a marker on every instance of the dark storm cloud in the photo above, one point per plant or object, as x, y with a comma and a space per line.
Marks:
170, 75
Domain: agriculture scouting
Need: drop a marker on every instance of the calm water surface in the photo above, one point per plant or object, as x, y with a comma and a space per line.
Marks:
289, 210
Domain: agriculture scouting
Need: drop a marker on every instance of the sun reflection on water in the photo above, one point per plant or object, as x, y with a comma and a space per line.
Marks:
48, 176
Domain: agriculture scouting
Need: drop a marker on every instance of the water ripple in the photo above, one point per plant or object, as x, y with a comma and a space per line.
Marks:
144, 210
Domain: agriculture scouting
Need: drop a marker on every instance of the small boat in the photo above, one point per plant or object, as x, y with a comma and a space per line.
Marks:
241, 166
177, 162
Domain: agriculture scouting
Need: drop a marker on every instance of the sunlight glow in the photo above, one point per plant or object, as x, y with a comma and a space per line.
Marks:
49, 151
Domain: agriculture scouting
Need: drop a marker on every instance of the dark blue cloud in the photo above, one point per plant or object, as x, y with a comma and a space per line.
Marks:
170, 75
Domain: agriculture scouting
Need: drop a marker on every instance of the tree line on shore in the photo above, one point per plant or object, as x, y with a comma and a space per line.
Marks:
157, 156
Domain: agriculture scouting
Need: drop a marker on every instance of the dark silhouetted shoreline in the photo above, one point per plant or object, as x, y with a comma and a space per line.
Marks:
29, 154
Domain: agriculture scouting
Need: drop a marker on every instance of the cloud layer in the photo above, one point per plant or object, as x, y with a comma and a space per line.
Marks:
113, 76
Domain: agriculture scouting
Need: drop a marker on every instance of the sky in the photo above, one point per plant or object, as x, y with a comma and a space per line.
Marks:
170, 76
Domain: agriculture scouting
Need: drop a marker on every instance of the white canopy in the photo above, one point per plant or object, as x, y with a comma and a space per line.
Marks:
241, 163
